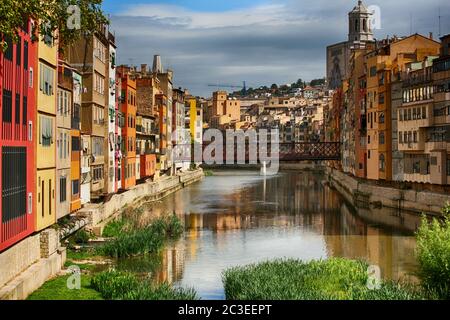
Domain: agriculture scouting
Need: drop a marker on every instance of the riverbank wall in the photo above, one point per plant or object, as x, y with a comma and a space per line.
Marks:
370, 194
27, 265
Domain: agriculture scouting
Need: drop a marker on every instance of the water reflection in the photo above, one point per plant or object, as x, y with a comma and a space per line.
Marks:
234, 219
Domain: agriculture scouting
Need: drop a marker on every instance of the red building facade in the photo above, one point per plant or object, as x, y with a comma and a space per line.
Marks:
17, 157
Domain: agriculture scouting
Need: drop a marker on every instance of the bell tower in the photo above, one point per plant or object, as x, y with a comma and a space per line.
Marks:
359, 23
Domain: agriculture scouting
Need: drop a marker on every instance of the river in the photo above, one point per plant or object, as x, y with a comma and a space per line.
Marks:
239, 217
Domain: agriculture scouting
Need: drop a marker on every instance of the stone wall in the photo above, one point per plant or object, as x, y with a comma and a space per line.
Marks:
366, 194
27, 265
98, 214
16, 259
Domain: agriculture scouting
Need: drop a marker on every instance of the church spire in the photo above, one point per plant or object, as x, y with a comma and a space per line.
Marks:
359, 21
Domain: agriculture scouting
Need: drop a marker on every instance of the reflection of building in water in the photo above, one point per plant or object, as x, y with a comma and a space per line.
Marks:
348, 235
172, 266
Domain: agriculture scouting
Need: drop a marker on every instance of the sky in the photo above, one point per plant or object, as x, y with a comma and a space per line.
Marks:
257, 41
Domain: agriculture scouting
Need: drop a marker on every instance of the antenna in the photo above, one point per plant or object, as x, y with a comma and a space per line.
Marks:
439, 19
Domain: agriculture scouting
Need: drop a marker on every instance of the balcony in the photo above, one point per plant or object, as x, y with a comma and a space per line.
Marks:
437, 145
441, 96
411, 146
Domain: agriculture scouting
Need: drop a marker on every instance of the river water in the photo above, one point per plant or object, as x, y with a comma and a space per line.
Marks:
239, 217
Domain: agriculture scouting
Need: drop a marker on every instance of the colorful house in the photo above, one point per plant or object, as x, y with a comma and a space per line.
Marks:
46, 87
128, 108
17, 121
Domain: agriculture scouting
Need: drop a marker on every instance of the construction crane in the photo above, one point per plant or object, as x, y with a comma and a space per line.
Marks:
218, 86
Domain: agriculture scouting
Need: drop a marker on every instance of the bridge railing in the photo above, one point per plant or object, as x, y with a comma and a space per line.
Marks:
296, 151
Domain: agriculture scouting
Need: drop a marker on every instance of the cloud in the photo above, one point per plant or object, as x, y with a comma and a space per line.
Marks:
277, 42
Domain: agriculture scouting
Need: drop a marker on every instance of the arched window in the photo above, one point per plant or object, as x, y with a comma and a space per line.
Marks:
356, 25
382, 162
381, 137
365, 25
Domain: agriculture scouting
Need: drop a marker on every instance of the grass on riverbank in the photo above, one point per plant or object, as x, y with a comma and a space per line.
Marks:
332, 279
56, 289
119, 285
433, 254
149, 239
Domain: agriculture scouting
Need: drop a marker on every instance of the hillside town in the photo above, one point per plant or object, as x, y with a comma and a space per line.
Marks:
82, 135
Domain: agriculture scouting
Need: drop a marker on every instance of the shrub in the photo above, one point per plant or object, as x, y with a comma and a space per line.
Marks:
114, 228
332, 279
80, 237
433, 254
117, 285
146, 240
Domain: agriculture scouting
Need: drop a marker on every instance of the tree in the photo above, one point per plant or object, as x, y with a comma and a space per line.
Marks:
274, 86
51, 15
317, 82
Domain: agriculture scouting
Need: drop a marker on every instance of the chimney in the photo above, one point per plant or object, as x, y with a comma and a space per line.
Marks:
431, 35
157, 66
144, 68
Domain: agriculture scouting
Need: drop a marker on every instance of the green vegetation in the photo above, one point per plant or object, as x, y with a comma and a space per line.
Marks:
335, 279
117, 285
56, 289
83, 254
149, 239
80, 237
433, 254
208, 173
114, 228
51, 15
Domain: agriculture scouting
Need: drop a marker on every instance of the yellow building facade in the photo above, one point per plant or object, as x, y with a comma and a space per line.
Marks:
46, 80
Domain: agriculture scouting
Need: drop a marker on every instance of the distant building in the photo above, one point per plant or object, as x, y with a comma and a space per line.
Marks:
225, 111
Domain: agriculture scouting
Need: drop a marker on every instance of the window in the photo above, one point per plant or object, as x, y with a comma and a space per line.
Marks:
373, 71
400, 137
382, 162
46, 131
99, 115
99, 83
62, 189
381, 137
448, 167
9, 50
14, 182
381, 98
30, 79
75, 143
63, 102
381, 118
46, 79
97, 173
19, 52
416, 166
75, 187
99, 50
97, 146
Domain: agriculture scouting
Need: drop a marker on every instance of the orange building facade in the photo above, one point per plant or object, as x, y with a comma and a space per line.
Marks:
128, 108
